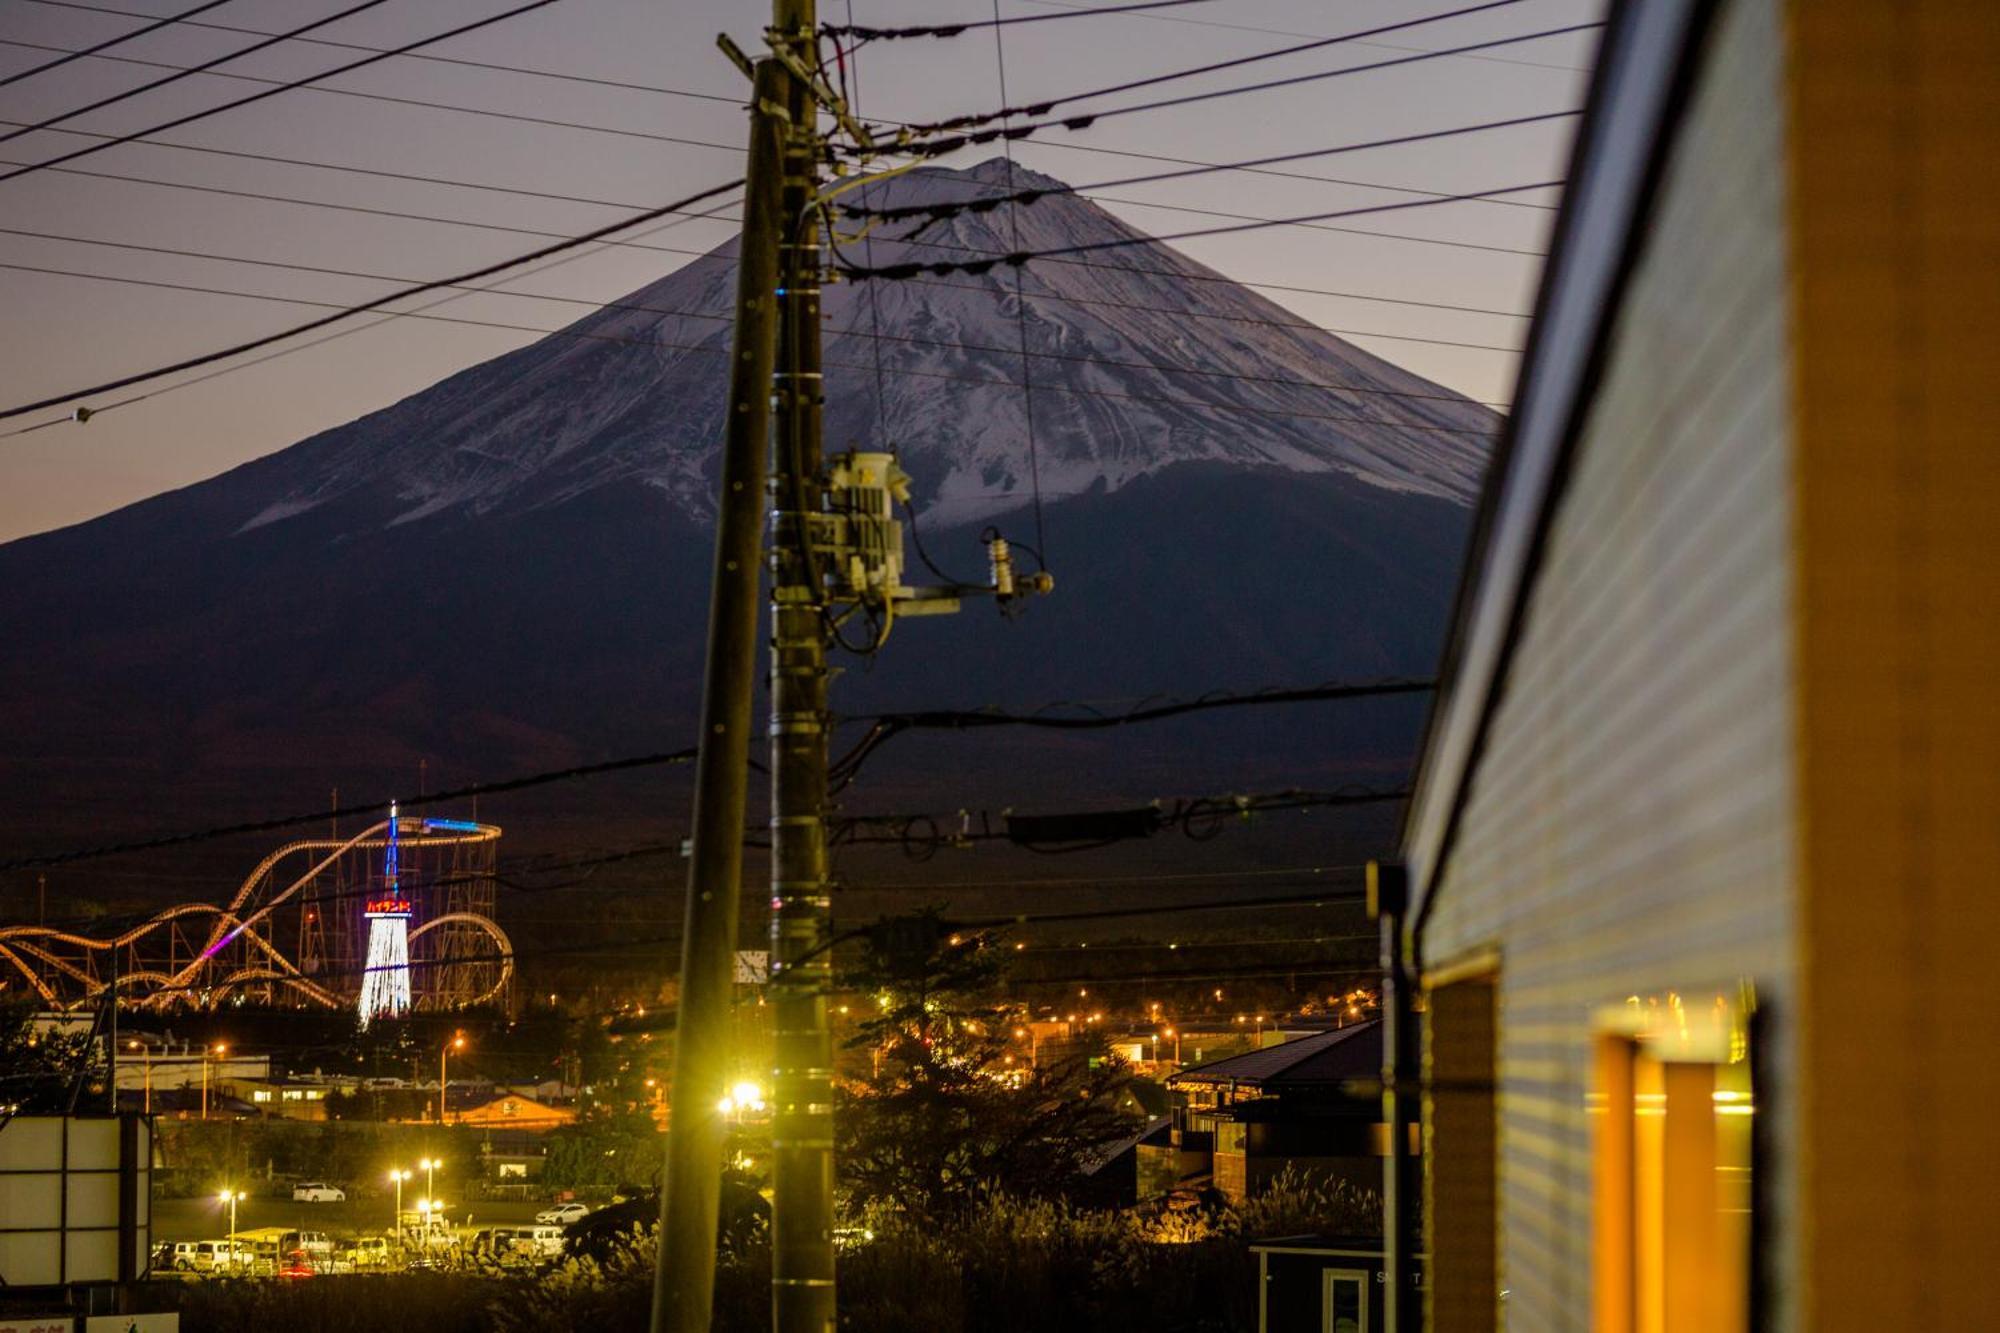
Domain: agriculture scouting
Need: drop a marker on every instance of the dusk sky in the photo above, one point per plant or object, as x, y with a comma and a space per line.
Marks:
64, 330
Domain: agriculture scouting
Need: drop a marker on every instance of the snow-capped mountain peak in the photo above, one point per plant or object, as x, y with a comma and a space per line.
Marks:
1137, 359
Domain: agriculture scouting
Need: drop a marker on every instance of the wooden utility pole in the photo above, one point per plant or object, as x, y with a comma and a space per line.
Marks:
684, 1284
802, 1289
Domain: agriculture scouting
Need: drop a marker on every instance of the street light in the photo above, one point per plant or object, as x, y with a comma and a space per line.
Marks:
399, 1177
147, 1053
430, 1166
457, 1043
743, 1096
232, 1198
218, 1050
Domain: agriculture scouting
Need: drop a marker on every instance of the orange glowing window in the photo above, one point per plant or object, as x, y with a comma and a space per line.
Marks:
1671, 1113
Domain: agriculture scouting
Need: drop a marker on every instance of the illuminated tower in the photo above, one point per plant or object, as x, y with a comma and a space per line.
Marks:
385, 984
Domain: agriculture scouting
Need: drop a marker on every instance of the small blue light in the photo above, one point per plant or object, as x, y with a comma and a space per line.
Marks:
782, 292
452, 825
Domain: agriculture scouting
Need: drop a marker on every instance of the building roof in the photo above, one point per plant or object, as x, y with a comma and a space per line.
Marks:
1327, 1058
1622, 146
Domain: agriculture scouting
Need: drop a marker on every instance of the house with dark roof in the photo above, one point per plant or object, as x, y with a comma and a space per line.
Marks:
1309, 1106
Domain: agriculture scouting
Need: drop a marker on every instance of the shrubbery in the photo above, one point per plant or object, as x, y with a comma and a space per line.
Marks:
1001, 1266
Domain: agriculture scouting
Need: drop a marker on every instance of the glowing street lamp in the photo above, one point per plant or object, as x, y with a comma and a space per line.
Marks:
457, 1043
430, 1166
743, 1096
146, 1052
399, 1177
232, 1198
218, 1051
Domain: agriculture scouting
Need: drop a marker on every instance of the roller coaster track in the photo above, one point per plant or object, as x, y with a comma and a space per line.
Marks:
232, 925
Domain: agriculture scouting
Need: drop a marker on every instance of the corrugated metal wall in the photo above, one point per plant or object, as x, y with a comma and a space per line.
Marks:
1630, 827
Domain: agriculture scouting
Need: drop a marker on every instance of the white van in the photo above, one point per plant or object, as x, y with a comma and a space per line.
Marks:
211, 1256
510, 1245
369, 1252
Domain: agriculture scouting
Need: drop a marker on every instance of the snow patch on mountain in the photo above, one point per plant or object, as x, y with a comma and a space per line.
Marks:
1138, 359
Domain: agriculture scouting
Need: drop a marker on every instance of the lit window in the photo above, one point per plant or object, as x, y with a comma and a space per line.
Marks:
1671, 1116
260, 1095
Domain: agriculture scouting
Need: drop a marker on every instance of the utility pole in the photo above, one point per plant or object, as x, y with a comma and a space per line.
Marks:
778, 350
802, 1287
684, 1284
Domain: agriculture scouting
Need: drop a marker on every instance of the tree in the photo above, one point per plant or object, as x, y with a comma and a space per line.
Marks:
946, 1114
43, 1067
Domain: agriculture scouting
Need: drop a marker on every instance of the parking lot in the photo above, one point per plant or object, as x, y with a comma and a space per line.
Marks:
204, 1218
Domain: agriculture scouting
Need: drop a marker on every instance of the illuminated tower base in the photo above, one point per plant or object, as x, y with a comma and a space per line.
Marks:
385, 986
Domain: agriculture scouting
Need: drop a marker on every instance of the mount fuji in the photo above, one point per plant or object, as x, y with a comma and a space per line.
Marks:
509, 569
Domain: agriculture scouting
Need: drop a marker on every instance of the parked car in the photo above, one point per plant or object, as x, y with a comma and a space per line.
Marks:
366, 1252
516, 1245
211, 1256
563, 1214
317, 1191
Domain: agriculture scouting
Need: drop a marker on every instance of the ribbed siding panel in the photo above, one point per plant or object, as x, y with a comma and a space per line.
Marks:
1629, 827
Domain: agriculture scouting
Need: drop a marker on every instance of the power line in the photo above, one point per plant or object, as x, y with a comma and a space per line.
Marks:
352, 330
352, 65
293, 267
106, 45
378, 302
1165, 367
282, 84
1068, 147
189, 71
675, 92
1146, 878
1194, 404
366, 211
1048, 716
416, 178
884, 727
426, 57
1080, 715
1169, 368
717, 97
1199, 818
1042, 108
868, 34
347, 811
1286, 32
1045, 295
912, 238
1050, 294
1096, 948
609, 203
939, 211
1019, 257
